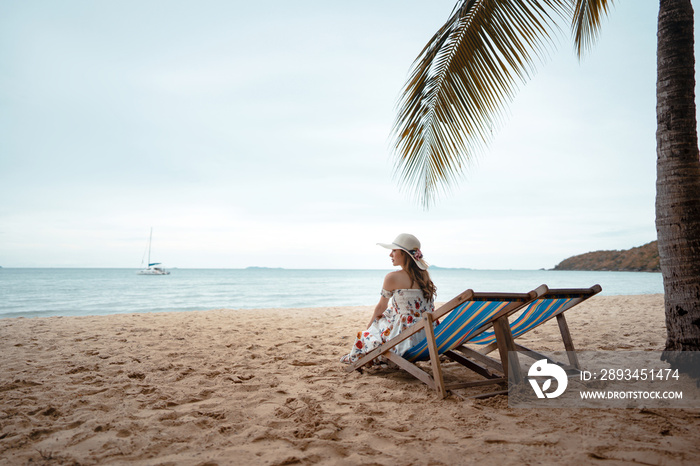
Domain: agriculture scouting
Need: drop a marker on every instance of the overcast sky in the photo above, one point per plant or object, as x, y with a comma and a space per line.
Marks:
257, 134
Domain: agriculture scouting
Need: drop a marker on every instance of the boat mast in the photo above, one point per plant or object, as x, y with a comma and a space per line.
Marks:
150, 237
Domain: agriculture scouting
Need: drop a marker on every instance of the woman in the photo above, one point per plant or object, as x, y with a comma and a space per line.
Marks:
406, 295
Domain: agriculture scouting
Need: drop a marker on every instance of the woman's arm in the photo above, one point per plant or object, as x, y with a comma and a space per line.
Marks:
388, 285
379, 309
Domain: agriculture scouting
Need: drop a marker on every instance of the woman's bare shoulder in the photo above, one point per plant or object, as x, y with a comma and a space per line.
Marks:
396, 280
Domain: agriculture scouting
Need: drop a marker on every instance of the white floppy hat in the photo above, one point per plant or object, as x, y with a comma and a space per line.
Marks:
410, 245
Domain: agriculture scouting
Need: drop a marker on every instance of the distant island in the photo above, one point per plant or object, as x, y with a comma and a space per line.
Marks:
435, 267
640, 259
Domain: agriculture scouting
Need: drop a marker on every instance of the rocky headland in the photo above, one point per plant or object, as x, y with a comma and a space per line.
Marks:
640, 259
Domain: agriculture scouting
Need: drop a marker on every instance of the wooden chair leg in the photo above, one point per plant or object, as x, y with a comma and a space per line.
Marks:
568, 342
506, 349
434, 355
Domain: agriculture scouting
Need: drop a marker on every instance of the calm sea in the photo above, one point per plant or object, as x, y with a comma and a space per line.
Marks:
77, 292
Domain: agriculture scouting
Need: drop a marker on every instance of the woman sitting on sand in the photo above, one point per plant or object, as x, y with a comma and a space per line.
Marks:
411, 292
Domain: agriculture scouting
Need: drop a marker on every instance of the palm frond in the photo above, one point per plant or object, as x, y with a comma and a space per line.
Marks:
586, 23
459, 83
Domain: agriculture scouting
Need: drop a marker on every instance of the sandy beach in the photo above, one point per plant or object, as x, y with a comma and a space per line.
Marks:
265, 387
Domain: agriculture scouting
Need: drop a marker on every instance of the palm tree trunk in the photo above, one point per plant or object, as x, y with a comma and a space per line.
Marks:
678, 180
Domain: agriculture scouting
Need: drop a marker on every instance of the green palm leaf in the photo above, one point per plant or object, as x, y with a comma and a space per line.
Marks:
587, 19
459, 83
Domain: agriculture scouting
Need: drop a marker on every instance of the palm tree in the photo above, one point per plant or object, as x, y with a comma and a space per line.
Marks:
461, 81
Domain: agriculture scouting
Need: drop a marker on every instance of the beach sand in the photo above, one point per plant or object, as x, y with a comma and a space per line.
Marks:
265, 387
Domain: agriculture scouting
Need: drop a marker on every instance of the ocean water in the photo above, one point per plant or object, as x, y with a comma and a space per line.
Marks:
77, 292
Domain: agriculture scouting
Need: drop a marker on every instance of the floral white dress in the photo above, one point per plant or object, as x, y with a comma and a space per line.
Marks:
406, 307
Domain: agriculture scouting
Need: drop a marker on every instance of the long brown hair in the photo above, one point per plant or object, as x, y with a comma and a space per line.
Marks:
419, 276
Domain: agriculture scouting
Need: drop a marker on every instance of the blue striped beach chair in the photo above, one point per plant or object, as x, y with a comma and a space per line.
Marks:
483, 319
553, 304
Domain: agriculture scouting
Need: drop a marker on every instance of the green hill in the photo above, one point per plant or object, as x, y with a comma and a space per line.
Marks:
640, 259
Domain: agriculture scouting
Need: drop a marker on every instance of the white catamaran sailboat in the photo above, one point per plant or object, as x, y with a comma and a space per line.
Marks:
152, 268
